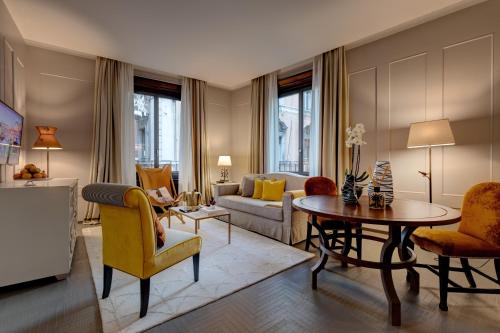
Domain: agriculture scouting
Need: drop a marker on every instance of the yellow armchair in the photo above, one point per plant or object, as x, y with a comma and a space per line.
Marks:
129, 237
478, 236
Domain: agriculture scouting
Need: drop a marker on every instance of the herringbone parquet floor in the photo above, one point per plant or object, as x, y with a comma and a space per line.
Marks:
347, 300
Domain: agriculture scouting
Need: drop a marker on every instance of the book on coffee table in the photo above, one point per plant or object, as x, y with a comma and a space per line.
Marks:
212, 210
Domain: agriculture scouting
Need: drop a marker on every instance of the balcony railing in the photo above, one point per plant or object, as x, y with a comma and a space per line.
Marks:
150, 164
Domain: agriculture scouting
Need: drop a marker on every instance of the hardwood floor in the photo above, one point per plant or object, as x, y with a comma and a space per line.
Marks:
347, 300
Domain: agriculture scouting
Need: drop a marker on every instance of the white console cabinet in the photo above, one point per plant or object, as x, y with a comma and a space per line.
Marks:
37, 229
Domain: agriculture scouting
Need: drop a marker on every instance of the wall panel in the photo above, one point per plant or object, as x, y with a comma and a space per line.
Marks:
363, 103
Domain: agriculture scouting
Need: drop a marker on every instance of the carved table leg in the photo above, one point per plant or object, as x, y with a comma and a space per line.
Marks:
324, 257
412, 275
347, 241
386, 274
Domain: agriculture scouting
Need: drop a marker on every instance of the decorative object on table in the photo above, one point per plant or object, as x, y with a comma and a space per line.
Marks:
382, 176
354, 140
47, 141
224, 162
376, 200
428, 134
192, 200
212, 201
31, 172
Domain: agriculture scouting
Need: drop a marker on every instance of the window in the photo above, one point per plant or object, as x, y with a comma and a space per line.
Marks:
295, 105
157, 109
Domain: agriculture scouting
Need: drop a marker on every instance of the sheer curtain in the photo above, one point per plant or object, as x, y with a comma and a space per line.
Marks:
113, 141
315, 145
272, 124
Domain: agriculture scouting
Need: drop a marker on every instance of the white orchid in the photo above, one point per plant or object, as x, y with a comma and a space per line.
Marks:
355, 136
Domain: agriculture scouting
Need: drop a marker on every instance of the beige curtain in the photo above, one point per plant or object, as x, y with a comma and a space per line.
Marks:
112, 159
257, 136
330, 68
194, 169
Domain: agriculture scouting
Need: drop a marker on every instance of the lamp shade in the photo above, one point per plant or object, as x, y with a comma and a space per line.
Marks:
46, 138
224, 161
430, 133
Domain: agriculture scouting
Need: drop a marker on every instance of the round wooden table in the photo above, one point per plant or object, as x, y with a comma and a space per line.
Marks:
402, 218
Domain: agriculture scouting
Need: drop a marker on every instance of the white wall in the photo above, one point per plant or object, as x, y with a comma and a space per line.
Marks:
12, 76
60, 94
447, 68
218, 117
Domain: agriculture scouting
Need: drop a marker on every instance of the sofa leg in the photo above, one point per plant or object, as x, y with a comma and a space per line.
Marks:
108, 277
309, 236
196, 266
468, 272
144, 297
444, 269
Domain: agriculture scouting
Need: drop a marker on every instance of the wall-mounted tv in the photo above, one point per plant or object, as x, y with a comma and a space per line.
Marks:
11, 133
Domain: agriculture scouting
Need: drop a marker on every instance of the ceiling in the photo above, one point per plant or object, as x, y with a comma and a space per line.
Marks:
225, 42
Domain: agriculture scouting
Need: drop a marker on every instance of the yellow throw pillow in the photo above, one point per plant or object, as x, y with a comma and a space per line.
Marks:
257, 188
272, 190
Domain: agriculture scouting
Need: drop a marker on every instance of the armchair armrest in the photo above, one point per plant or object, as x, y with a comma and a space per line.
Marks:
225, 189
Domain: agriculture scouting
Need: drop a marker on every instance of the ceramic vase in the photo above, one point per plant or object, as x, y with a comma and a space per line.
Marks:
386, 184
348, 191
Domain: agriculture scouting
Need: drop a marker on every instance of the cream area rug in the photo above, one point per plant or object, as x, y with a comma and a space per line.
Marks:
224, 269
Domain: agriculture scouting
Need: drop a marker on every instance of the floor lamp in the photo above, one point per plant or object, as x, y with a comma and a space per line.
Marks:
428, 134
47, 141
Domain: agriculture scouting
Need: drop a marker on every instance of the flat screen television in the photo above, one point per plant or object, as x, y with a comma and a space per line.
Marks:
11, 133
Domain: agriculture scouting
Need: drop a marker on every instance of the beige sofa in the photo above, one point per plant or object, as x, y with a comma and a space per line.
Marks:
275, 219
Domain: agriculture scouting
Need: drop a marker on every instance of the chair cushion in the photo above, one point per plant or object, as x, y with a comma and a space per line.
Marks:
272, 190
179, 245
267, 209
452, 243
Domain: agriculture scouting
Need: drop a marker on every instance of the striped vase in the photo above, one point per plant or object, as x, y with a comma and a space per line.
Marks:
348, 192
386, 185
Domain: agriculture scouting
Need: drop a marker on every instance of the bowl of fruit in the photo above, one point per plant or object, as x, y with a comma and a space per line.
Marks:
31, 172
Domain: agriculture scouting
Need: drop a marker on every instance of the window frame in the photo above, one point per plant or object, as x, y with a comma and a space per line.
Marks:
157, 89
299, 89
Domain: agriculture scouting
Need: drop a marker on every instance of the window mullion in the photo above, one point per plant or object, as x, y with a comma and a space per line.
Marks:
156, 132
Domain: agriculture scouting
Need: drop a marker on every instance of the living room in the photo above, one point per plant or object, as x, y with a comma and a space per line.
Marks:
249, 166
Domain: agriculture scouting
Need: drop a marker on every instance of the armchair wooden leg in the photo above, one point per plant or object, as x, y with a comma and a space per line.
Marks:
309, 235
359, 242
444, 269
108, 277
196, 266
468, 272
144, 297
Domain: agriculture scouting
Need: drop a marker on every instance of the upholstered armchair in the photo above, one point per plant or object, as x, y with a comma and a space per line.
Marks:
129, 237
478, 236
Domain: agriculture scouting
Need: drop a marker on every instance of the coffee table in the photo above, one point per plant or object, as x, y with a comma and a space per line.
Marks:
199, 215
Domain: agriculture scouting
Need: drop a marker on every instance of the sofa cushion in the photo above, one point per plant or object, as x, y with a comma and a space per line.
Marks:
247, 184
257, 188
252, 206
272, 190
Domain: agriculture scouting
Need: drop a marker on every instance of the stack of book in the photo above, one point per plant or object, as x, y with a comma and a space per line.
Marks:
212, 210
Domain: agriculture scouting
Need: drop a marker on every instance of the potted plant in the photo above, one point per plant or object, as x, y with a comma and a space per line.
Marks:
354, 141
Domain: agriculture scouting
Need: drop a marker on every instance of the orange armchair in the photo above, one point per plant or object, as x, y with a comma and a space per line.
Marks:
153, 179
478, 236
325, 186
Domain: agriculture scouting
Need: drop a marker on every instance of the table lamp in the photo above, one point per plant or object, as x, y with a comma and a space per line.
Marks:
47, 140
428, 134
224, 162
